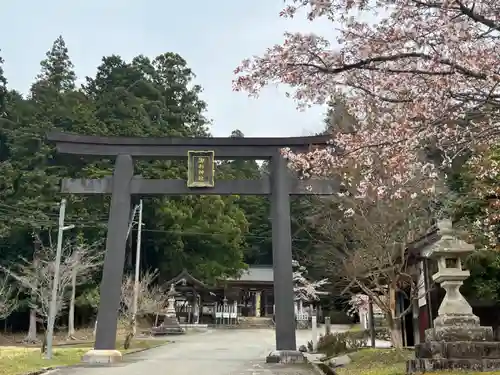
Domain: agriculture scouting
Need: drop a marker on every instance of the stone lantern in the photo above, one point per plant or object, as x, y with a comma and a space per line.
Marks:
170, 325
450, 252
456, 341
171, 302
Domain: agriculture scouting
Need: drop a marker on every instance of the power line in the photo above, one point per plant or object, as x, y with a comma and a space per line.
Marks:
10, 214
95, 224
27, 211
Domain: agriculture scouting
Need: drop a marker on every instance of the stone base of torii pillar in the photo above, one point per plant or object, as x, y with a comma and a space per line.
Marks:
457, 341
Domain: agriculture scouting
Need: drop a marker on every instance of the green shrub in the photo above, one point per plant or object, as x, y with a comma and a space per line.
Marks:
354, 343
333, 343
340, 342
345, 342
381, 333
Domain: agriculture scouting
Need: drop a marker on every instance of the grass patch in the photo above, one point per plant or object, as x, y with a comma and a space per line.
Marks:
356, 328
22, 360
387, 362
377, 362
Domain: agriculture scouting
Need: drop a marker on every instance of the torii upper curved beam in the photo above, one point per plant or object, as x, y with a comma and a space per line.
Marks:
172, 148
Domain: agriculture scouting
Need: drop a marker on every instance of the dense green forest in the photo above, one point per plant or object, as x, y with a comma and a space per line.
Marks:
211, 236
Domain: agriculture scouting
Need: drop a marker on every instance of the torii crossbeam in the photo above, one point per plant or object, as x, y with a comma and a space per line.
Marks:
201, 153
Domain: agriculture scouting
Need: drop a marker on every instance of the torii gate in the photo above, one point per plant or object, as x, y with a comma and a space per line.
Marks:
201, 154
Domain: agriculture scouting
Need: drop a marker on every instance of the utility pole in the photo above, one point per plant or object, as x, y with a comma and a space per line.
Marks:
55, 285
131, 224
137, 265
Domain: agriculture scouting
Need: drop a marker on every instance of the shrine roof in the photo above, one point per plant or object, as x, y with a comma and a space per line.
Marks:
188, 278
256, 273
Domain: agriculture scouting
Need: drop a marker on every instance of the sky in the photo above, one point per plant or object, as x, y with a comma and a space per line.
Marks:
213, 36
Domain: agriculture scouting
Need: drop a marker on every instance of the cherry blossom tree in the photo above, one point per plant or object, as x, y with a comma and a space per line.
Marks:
420, 76
366, 252
358, 302
304, 288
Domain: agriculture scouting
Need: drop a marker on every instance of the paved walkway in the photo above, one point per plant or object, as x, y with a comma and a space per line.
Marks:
217, 352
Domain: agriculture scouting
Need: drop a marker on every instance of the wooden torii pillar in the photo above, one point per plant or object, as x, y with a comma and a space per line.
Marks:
201, 154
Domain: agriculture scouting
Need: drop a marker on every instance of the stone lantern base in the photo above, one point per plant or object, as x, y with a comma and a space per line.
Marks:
170, 326
457, 342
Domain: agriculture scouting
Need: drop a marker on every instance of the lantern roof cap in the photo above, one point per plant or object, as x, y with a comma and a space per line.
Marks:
448, 243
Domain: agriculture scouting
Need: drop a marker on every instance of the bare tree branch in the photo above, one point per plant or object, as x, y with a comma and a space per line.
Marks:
83, 260
37, 276
151, 298
8, 298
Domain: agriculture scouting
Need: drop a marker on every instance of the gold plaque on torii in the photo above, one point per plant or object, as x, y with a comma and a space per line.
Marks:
201, 169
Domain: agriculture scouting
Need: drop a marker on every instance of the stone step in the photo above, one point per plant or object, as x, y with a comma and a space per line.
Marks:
415, 366
237, 326
255, 318
249, 326
255, 325
458, 350
256, 321
473, 356
250, 322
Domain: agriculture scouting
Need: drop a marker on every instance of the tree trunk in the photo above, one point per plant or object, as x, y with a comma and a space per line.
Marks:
396, 337
156, 318
71, 315
32, 332
131, 331
43, 349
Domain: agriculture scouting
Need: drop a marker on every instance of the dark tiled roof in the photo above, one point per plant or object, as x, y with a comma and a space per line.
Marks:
256, 274
185, 275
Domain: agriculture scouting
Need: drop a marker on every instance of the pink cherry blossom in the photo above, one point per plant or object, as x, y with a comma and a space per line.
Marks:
304, 288
425, 73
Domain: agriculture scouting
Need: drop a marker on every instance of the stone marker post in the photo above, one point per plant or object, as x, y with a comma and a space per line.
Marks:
457, 341
314, 322
328, 325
